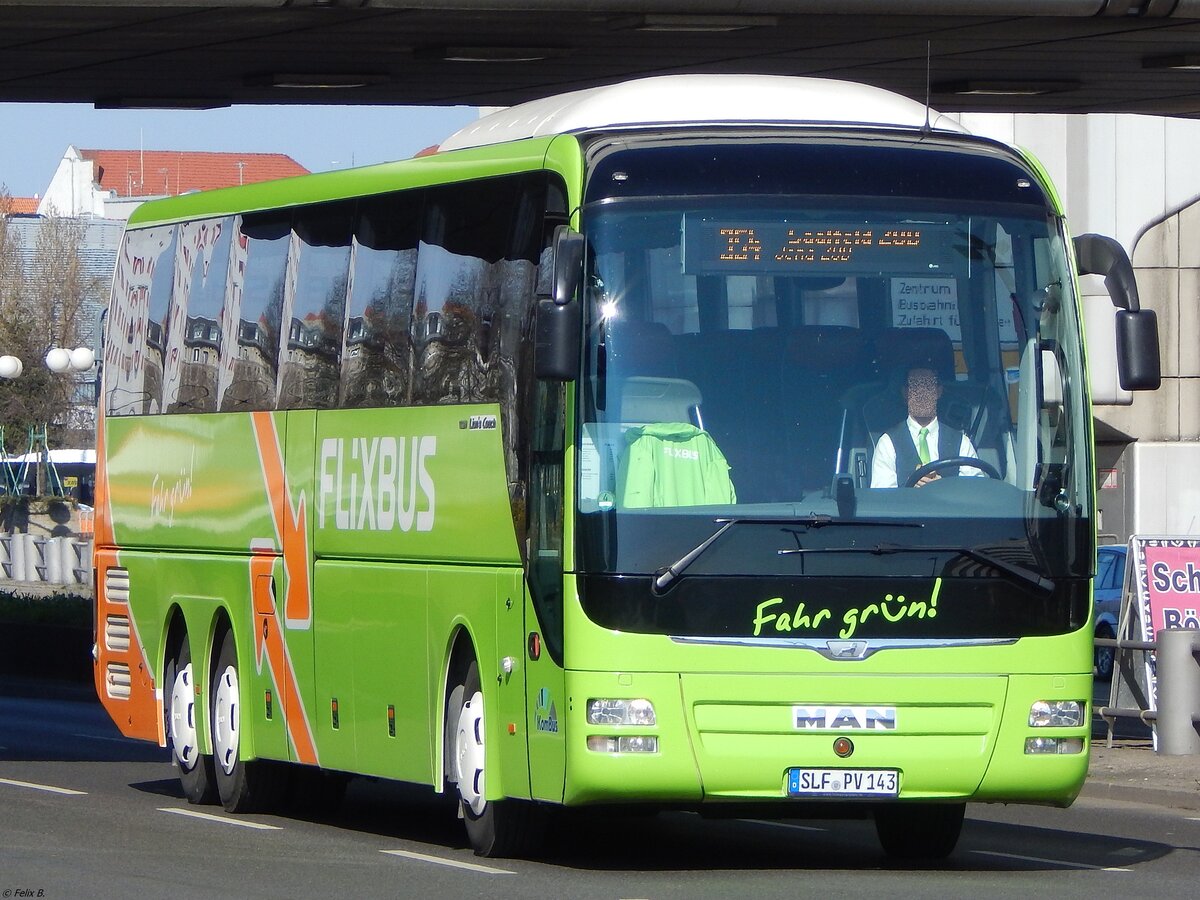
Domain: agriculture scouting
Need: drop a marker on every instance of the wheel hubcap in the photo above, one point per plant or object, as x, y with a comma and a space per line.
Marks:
226, 714
183, 719
468, 754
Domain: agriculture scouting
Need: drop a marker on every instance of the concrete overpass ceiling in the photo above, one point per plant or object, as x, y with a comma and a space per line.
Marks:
1090, 55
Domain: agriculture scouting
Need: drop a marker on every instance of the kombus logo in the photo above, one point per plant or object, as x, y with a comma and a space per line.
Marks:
376, 484
545, 716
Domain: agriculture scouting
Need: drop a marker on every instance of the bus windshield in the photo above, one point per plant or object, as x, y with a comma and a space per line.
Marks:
767, 344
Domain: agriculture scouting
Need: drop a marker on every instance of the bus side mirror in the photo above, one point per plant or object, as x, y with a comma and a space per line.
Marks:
558, 327
1138, 364
556, 342
568, 264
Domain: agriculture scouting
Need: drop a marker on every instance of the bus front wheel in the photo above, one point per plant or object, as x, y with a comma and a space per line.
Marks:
919, 831
179, 711
495, 828
244, 786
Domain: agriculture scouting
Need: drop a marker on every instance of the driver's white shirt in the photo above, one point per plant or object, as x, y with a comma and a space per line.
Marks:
883, 466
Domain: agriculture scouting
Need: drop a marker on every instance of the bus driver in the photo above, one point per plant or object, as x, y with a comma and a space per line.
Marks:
920, 438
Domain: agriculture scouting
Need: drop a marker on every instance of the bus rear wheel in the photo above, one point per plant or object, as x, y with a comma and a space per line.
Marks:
183, 738
495, 828
244, 786
919, 831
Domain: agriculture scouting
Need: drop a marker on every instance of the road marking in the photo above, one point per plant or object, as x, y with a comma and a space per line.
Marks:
453, 863
49, 788
1052, 862
784, 825
209, 817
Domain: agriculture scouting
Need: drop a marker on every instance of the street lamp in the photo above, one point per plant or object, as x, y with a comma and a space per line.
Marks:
10, 367
60, 360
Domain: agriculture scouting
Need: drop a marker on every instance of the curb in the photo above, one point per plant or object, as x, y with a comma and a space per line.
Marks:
1128, 793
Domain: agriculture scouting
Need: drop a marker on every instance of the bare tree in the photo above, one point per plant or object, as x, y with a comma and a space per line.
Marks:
40, 307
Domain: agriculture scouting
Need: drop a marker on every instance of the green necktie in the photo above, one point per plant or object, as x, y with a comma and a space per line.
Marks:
923, 445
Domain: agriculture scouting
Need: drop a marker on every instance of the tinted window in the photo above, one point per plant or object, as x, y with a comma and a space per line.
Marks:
1104, 570
133, 352
1118, 577
260, 274
476, 271
376, 364
311, 363
204, 251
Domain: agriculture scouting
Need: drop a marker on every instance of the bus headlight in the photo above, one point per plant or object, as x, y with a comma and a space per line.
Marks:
1056, 713
620, 712
626, 743
1053, 745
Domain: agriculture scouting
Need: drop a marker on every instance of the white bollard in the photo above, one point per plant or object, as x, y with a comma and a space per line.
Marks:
35, 558
52, 553
69, 555
6, 556
17, 551
84, 572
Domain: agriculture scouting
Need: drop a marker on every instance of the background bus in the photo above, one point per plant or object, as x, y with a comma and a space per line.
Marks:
539, 470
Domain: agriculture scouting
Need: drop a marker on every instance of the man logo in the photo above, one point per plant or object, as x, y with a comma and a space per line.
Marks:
844, 718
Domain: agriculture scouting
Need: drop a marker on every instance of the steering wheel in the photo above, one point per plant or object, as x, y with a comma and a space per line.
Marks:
949, 462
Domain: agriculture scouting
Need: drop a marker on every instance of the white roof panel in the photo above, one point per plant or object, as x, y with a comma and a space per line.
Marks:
703, 100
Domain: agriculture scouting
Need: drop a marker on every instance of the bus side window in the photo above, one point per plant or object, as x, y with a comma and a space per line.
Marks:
469, 277
250, 373
193, 342
309, 372
140, 307
377, 355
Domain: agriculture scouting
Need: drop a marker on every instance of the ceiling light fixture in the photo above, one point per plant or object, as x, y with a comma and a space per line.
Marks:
489, 54
1003, 88
687, 23
316, 81
1184, 62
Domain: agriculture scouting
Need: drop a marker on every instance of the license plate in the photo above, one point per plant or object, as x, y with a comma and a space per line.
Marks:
843, 783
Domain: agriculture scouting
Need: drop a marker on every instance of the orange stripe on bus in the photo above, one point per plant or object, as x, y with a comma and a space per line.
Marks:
268, 635
290, 526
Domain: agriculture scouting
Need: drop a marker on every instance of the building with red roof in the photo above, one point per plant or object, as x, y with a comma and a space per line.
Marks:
110, 183
23, 206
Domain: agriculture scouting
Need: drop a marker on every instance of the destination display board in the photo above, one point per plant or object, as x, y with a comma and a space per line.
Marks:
729, 245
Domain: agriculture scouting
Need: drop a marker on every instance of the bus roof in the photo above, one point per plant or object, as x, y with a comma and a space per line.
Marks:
703, 100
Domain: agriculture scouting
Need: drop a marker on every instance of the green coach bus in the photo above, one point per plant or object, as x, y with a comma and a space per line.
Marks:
544, 469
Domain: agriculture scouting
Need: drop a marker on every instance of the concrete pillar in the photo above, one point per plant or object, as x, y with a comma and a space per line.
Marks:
52, 553
1178, 667
35, 562
70, 560
16, 556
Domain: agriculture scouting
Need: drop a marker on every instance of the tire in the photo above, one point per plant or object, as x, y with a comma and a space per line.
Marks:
183, 738
243, 786
919, 831
1104, 658
495, 828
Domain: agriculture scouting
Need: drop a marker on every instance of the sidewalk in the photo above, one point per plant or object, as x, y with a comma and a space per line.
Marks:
1132, 771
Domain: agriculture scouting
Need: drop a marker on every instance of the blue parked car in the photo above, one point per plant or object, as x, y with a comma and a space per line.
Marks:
1110, 580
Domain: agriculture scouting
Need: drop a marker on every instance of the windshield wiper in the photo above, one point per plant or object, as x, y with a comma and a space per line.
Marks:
667, 576
1018, 573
